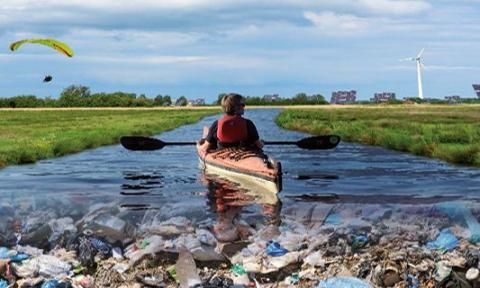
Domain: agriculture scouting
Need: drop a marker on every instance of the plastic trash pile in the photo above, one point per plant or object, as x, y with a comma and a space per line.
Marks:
316, 245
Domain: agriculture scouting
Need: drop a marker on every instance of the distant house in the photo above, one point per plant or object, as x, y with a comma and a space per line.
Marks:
196, 102
271, 98
454, 98
343, 97
383, 97
476, 87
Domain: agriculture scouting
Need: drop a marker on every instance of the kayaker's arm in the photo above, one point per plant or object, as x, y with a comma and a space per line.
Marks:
211, 137
253, 137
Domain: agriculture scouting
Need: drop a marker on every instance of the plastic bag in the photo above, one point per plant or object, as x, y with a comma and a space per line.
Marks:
274, 249
445, 241
343, 282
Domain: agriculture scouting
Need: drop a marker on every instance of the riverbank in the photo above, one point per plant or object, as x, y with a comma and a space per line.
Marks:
28, 135
449, 133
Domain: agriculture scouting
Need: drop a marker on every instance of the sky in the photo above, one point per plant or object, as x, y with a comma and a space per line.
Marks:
200, 48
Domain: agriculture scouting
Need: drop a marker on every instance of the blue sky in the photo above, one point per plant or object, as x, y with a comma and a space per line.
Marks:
200, 48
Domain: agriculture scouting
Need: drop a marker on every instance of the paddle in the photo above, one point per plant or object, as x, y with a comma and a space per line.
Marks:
141, 143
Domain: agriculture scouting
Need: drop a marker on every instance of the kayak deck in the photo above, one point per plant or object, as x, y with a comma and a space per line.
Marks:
246, 166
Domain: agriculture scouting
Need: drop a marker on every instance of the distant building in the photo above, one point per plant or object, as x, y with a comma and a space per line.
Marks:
196, 102
271, 98
476, 87
454, 98
383, 97
343, 97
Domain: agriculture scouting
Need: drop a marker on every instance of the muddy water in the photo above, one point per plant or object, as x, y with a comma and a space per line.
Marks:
170, 182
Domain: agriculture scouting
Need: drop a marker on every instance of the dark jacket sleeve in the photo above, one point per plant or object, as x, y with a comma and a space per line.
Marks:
252, 132
212, 133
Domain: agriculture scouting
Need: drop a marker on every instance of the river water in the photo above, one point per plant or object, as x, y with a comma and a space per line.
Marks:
170, 182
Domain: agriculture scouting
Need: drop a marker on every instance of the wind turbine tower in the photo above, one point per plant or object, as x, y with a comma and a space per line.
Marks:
420, 66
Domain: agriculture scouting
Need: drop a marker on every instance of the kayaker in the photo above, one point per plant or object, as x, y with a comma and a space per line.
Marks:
232, 129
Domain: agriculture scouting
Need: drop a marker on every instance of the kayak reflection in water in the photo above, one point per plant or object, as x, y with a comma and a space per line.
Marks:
227, 200
232, 129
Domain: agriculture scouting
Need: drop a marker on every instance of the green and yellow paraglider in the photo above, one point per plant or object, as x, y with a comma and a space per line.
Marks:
55, 44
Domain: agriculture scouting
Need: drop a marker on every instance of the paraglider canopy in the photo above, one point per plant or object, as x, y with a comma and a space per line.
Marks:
55, 44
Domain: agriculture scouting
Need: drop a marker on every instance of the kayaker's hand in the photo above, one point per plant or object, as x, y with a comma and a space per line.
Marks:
205, 146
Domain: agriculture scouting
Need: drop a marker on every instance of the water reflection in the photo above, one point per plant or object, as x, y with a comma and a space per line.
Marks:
141, 183
373, 199
233, 204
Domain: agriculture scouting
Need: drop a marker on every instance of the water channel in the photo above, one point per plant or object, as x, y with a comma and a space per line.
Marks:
169, 181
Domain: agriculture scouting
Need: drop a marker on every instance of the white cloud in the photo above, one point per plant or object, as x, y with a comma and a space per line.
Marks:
452, 68
436, 68
138, 38
153, 60
135, 76
378, 6
395, 7
123, 5
175, 70
332, 23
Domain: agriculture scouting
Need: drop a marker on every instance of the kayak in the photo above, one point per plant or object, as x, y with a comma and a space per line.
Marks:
242, 165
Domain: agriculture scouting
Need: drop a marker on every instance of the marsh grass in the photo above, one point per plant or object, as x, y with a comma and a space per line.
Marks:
28, 136
450, 133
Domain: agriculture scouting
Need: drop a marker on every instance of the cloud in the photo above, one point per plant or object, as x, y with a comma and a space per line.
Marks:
436, 67
332, 23
453, 68
122, 39
58, 17
107, 4
394, 7
143, 60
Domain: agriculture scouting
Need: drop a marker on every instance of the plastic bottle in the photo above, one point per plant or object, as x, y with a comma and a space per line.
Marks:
187, 270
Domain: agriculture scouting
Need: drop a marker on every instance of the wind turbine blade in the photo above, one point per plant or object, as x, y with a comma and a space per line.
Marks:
421, 53
407, 59
423, 66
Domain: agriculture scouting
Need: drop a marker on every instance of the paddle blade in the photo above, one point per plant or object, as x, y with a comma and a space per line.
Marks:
319, 142
140, 143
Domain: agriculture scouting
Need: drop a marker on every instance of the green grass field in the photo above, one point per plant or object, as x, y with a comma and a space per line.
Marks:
30, 135
450, 133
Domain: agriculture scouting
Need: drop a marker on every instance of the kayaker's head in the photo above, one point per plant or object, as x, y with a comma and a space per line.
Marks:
233, 104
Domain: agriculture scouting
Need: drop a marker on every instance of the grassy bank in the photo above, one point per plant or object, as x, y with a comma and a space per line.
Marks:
450, 133
30, 135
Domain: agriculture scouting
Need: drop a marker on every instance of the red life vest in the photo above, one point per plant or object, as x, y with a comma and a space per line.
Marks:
232, 129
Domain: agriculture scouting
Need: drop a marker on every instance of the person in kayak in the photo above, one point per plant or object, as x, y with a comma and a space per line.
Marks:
232, 129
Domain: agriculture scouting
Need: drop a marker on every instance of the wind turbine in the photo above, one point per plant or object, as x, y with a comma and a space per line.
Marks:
420, 65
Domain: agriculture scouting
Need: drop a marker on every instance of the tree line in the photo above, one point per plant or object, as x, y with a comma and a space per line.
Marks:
80, 96
298, 99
